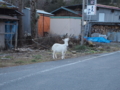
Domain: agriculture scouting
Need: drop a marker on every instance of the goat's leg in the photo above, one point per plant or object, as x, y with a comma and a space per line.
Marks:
56, 55
63, 55
53, 54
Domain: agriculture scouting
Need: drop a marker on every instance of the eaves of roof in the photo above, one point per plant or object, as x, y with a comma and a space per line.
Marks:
69, 10
44, 12
6, 17
41, 12
19, 13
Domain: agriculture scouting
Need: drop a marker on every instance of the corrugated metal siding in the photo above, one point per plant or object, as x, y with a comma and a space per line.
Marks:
26, 22
109, 15
116, 16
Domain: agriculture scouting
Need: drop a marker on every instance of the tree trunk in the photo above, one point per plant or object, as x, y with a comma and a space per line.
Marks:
33, 17
19, 3
111, 1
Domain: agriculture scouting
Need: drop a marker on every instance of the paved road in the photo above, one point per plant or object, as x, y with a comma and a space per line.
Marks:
92, 72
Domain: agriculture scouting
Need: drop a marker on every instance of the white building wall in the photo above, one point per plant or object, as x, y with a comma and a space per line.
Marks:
61, 26
75, 26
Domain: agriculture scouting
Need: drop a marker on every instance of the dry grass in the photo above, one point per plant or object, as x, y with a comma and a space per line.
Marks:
12, 58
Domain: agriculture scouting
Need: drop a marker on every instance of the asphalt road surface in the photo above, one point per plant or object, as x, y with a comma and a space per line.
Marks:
92, 72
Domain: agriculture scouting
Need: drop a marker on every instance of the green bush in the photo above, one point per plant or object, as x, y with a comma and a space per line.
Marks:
81, 48
33, 60
37, 57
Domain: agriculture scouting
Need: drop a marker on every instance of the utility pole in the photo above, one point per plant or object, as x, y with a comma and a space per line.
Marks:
82, 27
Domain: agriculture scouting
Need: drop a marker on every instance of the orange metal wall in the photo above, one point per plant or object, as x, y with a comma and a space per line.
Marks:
43, 25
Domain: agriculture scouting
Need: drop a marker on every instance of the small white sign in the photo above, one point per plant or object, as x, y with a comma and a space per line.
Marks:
91, 9
92, 2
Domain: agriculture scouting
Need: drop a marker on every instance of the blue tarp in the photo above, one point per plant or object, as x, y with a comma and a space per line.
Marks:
10, 29
98, 39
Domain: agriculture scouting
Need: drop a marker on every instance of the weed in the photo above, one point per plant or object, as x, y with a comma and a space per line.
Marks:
33, 60
92, 51
37, 57
8, 57
2, 65
19, 62
81, 48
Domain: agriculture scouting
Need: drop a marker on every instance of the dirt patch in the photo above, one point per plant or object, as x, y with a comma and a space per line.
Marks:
29, 56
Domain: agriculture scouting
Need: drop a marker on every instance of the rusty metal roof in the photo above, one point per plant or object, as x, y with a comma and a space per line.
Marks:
98, 5
107, 6
7, 7
4, 4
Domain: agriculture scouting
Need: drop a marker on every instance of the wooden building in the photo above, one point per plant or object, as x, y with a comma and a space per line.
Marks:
8, 25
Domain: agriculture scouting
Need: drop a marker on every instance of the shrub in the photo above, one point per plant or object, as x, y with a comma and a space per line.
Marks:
36, 57
81, 48
33, 60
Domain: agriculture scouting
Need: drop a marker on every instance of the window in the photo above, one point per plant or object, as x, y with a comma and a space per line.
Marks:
119, 17
101, 17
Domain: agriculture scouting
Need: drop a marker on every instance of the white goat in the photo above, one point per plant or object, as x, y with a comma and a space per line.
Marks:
60, 48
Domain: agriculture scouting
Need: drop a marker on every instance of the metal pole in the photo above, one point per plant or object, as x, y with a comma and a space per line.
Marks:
82, 28
43, 25
16, 36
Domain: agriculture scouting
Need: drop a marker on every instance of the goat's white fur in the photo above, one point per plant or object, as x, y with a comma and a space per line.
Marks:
60, 48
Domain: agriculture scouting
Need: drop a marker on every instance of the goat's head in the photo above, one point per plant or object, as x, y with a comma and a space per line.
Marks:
66, 39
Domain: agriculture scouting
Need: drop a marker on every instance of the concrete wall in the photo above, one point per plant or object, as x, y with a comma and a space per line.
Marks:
63, 25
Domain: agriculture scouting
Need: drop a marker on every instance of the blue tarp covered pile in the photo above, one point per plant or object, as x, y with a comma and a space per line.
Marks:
98, 39
11, 31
